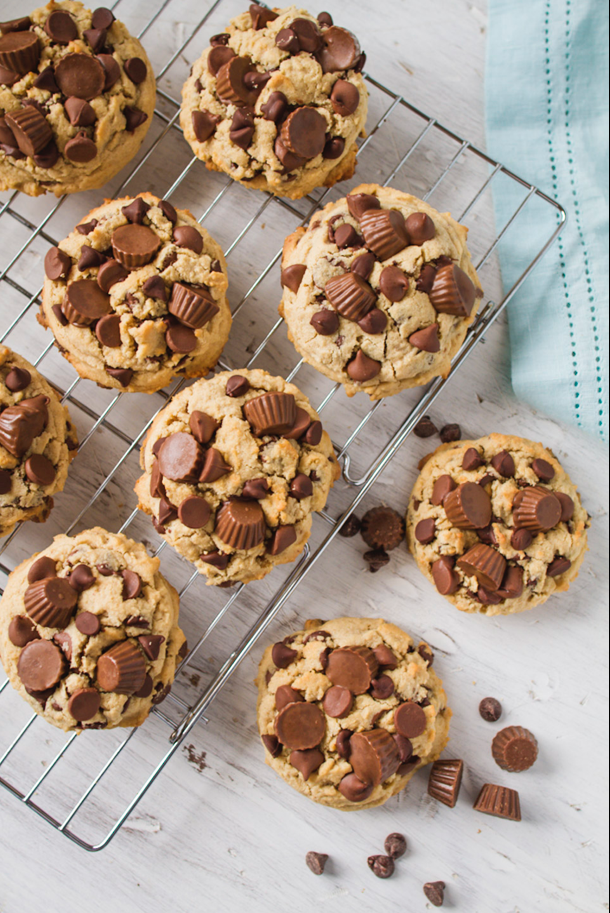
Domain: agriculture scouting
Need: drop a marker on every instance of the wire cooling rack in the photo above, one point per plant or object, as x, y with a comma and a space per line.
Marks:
87, 786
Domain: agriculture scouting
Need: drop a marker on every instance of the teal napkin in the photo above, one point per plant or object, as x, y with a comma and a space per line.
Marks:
547, 119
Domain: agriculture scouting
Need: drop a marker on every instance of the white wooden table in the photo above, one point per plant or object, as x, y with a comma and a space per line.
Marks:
219, 831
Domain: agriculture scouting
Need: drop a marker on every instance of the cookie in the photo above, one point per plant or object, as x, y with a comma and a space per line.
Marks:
277, 101
233, 469
137, 294
379, 291
349, 709
496, 524
89, 632
77, 95
37, 442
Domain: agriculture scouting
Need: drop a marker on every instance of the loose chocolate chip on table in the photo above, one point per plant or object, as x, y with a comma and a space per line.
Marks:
499, 801
452, 291
353, 789
435, 892
558, 566
381, 866
420, 228
450, 433
30, 128
395, 845
350, 527
445, 780
41, 568
40, 665
21, 631
382, 527
237, 385
504, 464
376, 559
316, 862
425, 428
490, 709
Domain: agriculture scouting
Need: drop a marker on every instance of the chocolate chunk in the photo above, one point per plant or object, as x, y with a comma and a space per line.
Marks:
39, 469
86, 622
80, 76
410, 720
30, 128
300, 726
558, 566
350, 527
325, 322
85, 300
353, 789
6, 482
180, 457
261, 16
420, 228
230, 85
21, 631
384, 232
504, 464
241, 524
426, 278
490, 709
304, 132
154, 287
122, 375
313, 435
394, 283
340, 50
90, 258
242, 127
306, 761
255, 489
426, 654
499, 801
472, 460
373, 755
301, 487
237, 385
61, 27
308, 35
192, 305
8, 78
382, 527
135, 245
425, 531
46, 81
80, 149
105, 570
344, 97
108, 331
435, 892
194, 512
446, 579
132, 584
376, 559
121, 669
272, 744
443, 486
536, 509
22, 423
468, 506
270, 413
484, 563
316, 862
353, 668
135, 69
382, 688
395, 845
347, 236
426, 428
350, 295
40, 665
362, 368
203, 427
333, 147
453, 291
41, 568
405, 753
287, 40
445, 781
112, 74
102, 18
276, 107
204, 124
381, 866
80, 113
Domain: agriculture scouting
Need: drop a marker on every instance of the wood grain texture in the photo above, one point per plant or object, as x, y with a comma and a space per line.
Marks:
219, 830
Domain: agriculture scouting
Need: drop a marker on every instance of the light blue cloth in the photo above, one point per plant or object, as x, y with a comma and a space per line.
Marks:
547, 120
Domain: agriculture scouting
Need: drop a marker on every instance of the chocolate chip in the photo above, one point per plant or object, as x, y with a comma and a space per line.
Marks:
376, 559
325, 19
122, 375
80, 113
450, 433
333, 147
86, 622
342, 743
362, 368
313, 435
134, 118
57, 264
325, 322
204, 124
21, 631
40, 470
135, 69
275, 107
216, 559
46, 81
567, 505
381, 866
344, 97
61, 27
504, 464
425, 531
108, 331
132, 584
347, 236
151, 644
316, 862
282, 538
490, 709
353, 789
187, 236
471, 460
410, 720
242, 127
340, 50
301, 487
6, 482
168, 211
443, 486
102, 18
521, 539
446, 579
337, 702
350, 527
359, 203
395, 845
363, 265
425, 427
558, 566
435, 892
96, 38
272, 744
80, 149
261, 16
287, 40
85, 228
420, 228
382, 688
17, 379
255, 489
237, 385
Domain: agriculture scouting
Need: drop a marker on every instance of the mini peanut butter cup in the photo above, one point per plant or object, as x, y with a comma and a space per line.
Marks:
80, 76
445, 780
514, 748
40, 665
240, 524
22, 423
350, 295
85, 302
337, 702
300, 726
230, 85
452, 291
374, 756
30, 128
468, 506
384, 232
121, 669
191, 305
353, 668
271, 413
194, 512
340, 50
180, 457
84, 704
486, 564
499, 801
536, 509
19, 51
304, 132
135, 245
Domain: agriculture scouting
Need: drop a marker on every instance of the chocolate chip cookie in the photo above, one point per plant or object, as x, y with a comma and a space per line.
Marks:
37, 442
137, 294
277, 101
233, 469
89, 631
349, 709
77, 95
378, 291
496, 524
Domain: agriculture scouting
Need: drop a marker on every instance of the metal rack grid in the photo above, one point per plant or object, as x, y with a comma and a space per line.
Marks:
65, 755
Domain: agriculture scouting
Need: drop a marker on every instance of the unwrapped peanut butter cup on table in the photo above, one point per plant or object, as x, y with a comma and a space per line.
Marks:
514, 748
499, 801
445, 780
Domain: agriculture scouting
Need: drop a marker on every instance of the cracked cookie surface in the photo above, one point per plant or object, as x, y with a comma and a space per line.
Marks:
233, 468
277, 101
379, 291
496, 524
136, 294
77, 95
89, 632
349, 709
37, 442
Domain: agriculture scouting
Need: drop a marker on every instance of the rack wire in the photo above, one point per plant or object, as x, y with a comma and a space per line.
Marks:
49, 772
